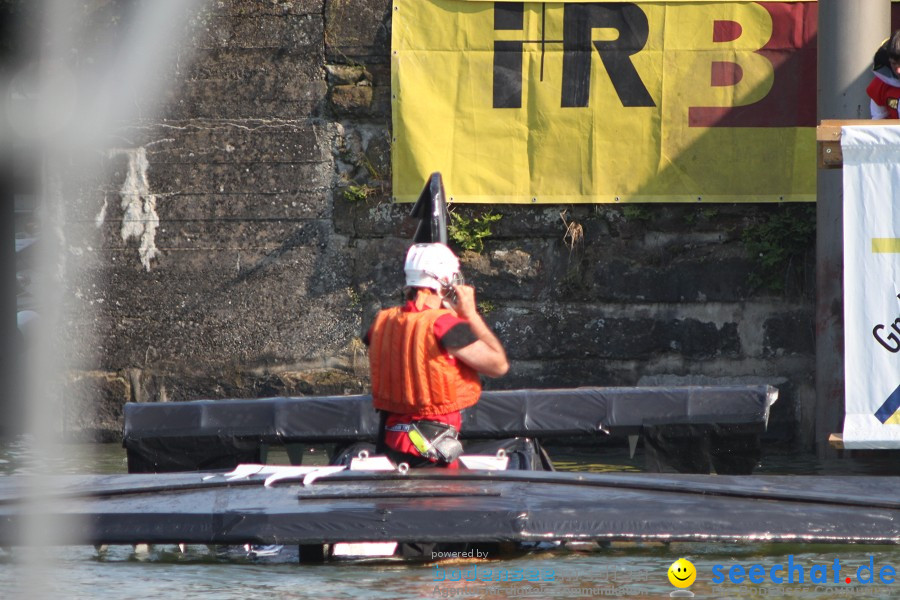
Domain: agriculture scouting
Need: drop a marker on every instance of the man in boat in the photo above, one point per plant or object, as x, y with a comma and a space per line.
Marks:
426, 357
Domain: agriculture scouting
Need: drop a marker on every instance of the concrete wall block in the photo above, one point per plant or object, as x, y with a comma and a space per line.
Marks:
251, 8
250, 178
683, 217
357, 29
347, 75
378, 272
351, 100
257, 89
551, 373
530, 221
94, 405
212, 99
277, 32
674, 228
87, 339
279, 310
686, 280
546, 269
377, 157
381, 92
253, 65
199, 234
510, 270
301, 245
372, 219
791, 367
372, 104
189, 385
380, 74
583, 331
381, 103
299, 206
271, 190
226, 209
791, 332
805, 394
210, 222
259, 236
344, 212
362, 154
93, 205
250, 247
219, 141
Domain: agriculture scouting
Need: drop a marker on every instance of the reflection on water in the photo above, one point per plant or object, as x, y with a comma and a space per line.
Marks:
624, 570
618, 569
16, 456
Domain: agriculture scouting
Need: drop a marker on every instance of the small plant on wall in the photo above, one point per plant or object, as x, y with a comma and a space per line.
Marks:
469, 234
780, 246
358, 193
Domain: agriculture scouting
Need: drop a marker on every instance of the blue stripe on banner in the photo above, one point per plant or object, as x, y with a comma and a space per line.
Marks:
889, 407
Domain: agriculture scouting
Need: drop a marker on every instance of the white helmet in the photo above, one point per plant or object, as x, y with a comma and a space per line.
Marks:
431, 266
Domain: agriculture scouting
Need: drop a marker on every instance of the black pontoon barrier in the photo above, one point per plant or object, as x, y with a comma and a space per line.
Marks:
219, 434
474, 506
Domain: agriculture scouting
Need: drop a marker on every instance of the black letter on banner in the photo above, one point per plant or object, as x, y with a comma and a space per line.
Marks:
631, 22
508, 56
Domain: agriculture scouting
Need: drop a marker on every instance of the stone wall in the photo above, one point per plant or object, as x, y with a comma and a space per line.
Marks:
268, 169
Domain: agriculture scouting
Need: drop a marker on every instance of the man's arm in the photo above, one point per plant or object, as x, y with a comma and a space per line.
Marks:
486, 355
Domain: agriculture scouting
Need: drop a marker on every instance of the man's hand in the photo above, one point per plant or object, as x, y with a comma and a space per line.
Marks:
465, 305
486, 355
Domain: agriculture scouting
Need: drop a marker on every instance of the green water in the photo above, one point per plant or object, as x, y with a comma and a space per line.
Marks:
618, 570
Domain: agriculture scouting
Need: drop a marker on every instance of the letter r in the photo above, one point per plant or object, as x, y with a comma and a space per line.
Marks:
578, 21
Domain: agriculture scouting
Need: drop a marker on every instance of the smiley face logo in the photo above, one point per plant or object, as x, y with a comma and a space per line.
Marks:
682, 573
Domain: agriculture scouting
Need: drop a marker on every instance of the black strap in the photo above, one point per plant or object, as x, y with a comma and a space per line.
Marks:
380, 444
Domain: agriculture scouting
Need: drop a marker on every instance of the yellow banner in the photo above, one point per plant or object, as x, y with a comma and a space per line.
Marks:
643, 1
596, 102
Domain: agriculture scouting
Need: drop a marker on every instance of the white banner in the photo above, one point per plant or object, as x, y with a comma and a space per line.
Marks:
871, 286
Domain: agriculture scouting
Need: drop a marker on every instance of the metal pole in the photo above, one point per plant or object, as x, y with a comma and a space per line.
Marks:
849, 32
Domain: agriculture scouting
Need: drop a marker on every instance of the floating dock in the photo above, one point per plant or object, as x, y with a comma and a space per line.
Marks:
436, 505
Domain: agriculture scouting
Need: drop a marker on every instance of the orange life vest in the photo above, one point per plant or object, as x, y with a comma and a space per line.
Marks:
410, 372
